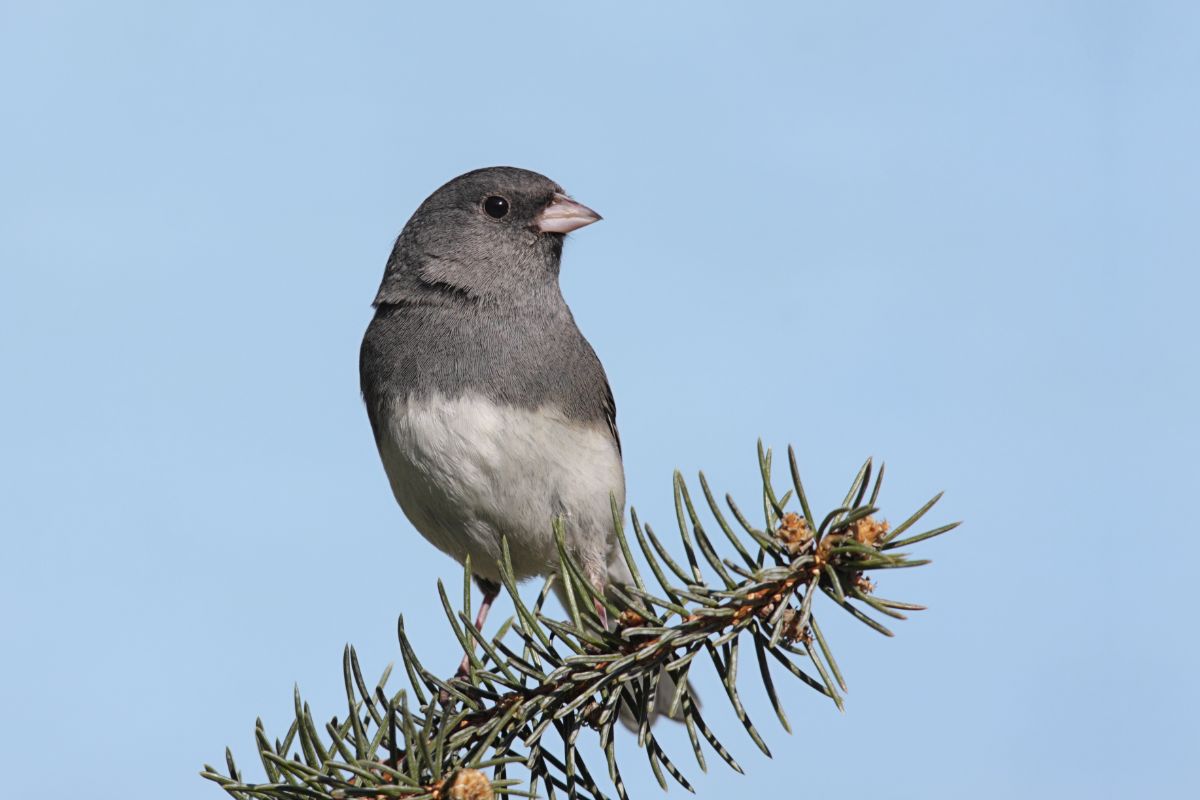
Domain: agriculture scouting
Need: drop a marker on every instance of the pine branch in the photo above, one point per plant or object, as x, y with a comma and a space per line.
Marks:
539, 682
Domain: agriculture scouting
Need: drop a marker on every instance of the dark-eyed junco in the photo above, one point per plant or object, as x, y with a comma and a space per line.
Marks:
492, 413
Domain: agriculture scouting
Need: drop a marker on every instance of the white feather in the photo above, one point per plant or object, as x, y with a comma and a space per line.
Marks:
465, 471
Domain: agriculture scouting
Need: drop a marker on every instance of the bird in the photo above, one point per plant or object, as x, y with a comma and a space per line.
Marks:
491, 412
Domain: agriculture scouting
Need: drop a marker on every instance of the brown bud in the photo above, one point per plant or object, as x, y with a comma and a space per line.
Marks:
790, 623
469, 784
630, 619
869, 531
793, 532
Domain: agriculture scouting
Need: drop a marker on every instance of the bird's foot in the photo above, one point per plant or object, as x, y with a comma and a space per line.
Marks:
461, 673
490, 590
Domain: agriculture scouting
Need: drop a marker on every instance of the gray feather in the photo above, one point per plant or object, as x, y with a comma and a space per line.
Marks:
469, 306
491, 411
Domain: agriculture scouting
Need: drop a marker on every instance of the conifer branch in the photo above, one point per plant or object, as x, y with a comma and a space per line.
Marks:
534, 687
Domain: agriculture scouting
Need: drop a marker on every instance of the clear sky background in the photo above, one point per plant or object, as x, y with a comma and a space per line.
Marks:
960, 237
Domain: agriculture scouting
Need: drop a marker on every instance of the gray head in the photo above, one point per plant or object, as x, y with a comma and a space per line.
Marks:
491, 234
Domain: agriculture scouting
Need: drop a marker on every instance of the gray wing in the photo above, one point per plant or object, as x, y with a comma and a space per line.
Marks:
610, 414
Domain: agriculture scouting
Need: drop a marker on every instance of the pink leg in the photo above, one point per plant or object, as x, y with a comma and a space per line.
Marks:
490, 590
602, 613
598, 583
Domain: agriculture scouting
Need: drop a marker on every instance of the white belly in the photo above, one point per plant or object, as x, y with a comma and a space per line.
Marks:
466, 471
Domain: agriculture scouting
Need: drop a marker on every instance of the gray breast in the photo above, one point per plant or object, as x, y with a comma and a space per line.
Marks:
454, 346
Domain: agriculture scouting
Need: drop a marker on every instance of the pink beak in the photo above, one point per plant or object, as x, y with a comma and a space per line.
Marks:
564, 215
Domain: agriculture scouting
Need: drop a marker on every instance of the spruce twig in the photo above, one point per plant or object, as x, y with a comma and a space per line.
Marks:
540, 682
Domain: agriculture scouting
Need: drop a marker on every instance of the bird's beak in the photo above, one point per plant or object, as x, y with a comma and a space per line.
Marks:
563, 215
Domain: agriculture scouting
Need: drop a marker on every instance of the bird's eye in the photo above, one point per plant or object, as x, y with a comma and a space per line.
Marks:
496, 206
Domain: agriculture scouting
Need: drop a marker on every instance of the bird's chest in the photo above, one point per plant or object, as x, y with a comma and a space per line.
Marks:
467, 470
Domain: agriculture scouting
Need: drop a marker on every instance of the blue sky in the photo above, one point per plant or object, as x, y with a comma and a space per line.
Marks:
960, 237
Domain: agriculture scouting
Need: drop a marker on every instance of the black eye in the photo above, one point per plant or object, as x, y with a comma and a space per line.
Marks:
495, 206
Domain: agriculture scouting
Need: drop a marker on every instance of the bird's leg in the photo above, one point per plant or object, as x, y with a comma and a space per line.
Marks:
598, 583
602, 613
490, 591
